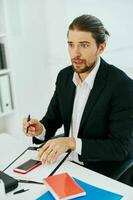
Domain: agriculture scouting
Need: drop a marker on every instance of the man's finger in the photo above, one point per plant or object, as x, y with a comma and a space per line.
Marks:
45, 155
42, 150
56, 156
51, 156
33, 121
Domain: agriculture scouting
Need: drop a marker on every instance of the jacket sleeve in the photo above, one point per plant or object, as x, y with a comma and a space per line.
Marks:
52, 119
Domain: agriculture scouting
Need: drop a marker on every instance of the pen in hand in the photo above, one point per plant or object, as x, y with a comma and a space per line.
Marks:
28, 119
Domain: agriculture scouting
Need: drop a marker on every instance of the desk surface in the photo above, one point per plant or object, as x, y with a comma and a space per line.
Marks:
93, 178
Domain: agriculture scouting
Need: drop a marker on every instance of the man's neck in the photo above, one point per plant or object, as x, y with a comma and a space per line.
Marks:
83, 76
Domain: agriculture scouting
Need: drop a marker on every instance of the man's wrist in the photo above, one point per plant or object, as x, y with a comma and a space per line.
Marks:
42, 135
72, 143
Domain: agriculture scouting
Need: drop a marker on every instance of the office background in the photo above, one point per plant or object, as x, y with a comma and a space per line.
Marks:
37, 43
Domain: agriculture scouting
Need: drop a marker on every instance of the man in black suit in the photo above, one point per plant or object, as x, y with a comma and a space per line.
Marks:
93, 100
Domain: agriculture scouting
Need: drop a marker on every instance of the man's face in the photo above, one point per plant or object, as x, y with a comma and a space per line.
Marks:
83, 50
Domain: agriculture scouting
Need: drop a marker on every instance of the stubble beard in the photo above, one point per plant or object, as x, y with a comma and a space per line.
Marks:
86, 69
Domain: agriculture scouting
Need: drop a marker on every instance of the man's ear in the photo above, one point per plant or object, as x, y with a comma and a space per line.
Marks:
101, 47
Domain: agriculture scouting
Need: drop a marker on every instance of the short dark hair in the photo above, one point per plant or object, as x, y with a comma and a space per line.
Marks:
91, 24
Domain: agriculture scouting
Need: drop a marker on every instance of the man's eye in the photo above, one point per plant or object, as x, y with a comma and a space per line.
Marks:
84, 45
70, 45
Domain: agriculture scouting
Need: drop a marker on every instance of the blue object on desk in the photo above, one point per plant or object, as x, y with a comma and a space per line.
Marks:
92, 193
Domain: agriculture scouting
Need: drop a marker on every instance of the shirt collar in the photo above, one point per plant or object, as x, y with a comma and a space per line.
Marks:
89, 79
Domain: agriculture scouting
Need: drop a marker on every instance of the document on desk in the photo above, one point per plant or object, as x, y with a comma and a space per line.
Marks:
8, 151
38, 173
92, 193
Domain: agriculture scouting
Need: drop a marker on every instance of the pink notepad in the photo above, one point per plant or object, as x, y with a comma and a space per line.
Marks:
63, 187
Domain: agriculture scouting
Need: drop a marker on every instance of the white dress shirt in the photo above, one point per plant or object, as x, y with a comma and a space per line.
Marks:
83, 89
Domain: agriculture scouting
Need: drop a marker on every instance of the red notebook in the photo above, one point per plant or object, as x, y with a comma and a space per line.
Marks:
63, 187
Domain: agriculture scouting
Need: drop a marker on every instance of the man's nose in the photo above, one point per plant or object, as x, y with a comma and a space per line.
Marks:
77, 51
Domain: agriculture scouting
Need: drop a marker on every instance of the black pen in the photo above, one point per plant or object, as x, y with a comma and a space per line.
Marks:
20, 191
28, 181
28, 119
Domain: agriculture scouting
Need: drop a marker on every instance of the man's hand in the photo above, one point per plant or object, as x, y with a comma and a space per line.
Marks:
34, 127
55, 147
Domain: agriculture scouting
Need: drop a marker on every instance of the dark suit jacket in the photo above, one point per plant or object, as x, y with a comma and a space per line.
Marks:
106, 127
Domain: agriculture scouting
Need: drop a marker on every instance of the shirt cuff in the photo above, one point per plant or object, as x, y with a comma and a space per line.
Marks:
78, 145
42, 135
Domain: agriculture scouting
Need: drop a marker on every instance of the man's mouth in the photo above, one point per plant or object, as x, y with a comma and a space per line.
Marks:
78, 61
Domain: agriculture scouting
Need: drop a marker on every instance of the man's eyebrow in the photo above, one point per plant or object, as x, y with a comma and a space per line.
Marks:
85, 42
82, 42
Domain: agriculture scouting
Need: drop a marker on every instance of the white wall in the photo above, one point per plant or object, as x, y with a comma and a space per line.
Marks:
38, 47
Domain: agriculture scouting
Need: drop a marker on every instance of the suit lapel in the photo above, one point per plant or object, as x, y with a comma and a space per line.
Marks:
99, 84
69, 100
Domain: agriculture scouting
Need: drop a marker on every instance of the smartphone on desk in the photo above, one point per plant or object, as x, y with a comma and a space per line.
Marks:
27, 166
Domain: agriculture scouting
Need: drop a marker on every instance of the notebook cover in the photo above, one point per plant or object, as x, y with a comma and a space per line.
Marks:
63, 186
92, 193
